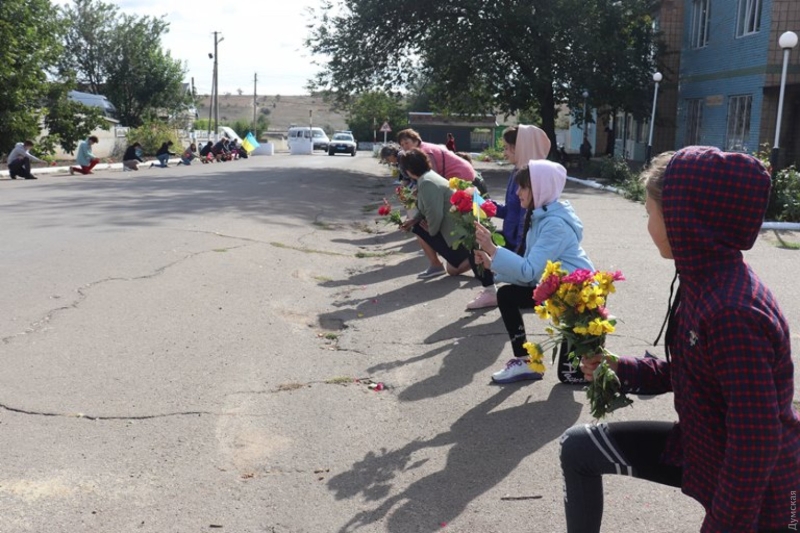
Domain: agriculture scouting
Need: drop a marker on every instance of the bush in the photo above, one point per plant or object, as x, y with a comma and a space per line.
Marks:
494, 153
615, 171
151, 135
784, 205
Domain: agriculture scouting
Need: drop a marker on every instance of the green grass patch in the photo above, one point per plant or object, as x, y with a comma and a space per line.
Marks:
339, 380
220, 250
331, 336
323, 279
305, 250
785, 244
323, 225
365, 255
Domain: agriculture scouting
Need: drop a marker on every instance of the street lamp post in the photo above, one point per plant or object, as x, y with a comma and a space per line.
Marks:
787, 41
657, 77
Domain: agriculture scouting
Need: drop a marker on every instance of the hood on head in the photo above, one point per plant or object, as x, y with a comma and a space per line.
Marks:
532, 143
714, 204
547, 181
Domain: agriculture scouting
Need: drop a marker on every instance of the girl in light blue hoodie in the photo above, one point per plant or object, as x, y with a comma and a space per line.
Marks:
553, 232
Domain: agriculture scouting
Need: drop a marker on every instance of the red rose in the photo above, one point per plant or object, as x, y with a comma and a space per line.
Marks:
546, 289
384, 210
489, 208
462, 201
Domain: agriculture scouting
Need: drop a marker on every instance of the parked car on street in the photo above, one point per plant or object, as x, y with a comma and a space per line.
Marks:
342, 143
297, 134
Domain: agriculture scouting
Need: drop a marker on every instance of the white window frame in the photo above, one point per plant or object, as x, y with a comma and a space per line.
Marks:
739, 110
694, 121
701, 16
748, 17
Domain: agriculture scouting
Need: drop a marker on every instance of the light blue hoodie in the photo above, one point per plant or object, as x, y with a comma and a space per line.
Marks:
85, 155
555, 233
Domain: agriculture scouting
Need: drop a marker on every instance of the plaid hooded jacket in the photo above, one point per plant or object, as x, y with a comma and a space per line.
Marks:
738, 436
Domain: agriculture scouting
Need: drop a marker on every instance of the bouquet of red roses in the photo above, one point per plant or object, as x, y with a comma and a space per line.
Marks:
575, 305
467, 207
392, 216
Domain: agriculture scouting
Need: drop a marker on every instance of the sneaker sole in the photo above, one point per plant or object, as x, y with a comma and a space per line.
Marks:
432, 275
520, 377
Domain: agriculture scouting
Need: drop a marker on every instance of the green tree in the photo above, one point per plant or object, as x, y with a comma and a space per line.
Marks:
121, 56
31, 35
481, 56
368, 112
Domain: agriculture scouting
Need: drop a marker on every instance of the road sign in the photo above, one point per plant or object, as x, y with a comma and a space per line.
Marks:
386, 128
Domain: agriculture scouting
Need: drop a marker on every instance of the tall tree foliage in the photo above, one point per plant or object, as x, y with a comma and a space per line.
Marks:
121, 56
369, 111
30, 34
490, 55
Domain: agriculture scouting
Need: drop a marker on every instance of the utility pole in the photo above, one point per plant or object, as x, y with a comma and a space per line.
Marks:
255, 103
216, 85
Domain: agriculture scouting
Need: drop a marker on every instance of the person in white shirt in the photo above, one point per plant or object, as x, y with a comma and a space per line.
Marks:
19, 161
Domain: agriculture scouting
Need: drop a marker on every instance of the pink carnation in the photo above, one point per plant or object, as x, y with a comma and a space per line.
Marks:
546, 289
579, 276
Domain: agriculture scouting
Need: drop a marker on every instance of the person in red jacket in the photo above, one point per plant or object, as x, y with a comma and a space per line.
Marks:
736, 445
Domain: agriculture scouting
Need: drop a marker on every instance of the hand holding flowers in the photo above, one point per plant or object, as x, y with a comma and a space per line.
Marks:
575, 305
468, 208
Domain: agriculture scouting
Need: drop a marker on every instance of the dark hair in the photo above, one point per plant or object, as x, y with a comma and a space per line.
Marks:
27, 142
522, 178
409, 134
510, 135
465, 156
94, 139
169, 143
415, 161
137, 145
390, 150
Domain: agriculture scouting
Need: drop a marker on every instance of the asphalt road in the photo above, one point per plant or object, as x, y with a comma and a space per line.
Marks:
190, 349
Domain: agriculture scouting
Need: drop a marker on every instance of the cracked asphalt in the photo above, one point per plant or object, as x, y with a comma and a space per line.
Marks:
191, 349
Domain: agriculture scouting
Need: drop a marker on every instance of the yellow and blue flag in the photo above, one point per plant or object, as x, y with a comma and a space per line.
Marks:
477, 202
249, 143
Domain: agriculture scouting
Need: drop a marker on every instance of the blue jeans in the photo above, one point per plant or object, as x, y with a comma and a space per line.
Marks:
163, 159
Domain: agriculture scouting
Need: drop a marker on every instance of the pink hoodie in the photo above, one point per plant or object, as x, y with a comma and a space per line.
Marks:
532, 143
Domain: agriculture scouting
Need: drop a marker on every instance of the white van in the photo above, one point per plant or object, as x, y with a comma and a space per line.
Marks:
230, 134
301, 134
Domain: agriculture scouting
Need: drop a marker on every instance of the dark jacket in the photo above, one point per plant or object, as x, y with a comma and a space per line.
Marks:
729, 352
131, 153
164, 150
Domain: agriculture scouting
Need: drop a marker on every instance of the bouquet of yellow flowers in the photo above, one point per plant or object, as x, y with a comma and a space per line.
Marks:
575, 305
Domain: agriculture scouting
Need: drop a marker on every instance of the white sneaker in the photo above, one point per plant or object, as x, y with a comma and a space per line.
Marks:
487, 298
516, 369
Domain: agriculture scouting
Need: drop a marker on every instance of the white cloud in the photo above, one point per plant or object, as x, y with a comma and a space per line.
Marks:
264, 37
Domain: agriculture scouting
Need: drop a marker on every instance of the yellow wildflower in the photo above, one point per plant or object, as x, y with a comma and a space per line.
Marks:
581, 330
592, 296
536, 365
541, 312
605, 282
598, 327
553, 269
534, 350
453, 182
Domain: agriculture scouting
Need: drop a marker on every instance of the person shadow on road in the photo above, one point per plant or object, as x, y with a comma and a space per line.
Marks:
487, 444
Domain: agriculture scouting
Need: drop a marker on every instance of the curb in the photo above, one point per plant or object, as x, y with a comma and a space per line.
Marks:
767, 225
65, 170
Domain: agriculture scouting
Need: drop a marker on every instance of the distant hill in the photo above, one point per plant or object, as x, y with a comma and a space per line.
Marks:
284, 110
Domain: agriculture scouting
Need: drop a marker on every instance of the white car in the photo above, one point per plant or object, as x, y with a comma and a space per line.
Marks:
342, 143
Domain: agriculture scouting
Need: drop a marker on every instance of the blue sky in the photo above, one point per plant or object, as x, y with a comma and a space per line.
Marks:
266, 39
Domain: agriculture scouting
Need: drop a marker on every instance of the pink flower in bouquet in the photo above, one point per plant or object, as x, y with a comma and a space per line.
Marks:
546, 289
578, 277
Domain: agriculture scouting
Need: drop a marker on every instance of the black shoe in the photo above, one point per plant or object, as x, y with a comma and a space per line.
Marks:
13, 177
31, 177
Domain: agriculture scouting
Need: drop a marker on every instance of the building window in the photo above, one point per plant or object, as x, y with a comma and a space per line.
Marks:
694, 122
748, 17
701, 13
739, 122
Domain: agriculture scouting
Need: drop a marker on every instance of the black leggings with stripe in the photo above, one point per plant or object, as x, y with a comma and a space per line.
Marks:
624, 448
